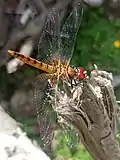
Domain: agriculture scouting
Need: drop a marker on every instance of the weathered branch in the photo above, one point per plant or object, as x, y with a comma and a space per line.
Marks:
91, 108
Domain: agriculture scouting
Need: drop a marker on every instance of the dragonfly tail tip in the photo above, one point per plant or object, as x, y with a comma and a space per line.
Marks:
10, 52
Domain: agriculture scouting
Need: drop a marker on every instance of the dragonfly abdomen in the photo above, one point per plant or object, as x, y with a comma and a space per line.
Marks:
33, 62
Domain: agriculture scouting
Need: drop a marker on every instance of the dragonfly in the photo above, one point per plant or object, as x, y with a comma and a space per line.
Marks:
55, 51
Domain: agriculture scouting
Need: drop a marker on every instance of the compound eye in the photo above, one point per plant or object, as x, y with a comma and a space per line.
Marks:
81, 73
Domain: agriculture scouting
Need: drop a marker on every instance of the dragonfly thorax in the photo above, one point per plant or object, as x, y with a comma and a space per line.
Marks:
64, 71
71, 72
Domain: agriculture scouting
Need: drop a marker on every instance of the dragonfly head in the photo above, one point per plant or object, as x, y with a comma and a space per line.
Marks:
81, 73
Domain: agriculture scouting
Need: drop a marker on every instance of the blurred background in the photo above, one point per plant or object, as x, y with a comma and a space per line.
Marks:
98, 42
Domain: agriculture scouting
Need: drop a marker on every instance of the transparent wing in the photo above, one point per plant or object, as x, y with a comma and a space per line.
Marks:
45, 113
69, 33
71, 137
68, 130
48, 42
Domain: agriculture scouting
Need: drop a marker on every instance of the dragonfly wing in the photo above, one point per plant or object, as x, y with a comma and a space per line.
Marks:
68, 130
69, 33
71, 137
44, 110
49, 38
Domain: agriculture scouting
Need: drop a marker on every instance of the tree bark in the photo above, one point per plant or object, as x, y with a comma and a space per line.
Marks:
91, 109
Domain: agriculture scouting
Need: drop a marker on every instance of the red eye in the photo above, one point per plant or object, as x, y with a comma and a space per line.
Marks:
81, 73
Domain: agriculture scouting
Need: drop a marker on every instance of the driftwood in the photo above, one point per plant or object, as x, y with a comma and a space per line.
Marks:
91, 108
14, 143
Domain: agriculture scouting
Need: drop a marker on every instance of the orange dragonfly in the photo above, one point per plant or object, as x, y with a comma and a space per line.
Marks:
58, 46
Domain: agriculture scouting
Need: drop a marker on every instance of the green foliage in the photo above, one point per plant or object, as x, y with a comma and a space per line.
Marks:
64, 152
95, 41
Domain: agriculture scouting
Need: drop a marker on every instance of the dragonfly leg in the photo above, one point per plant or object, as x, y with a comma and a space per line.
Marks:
75, 82
71, 84
68, 78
